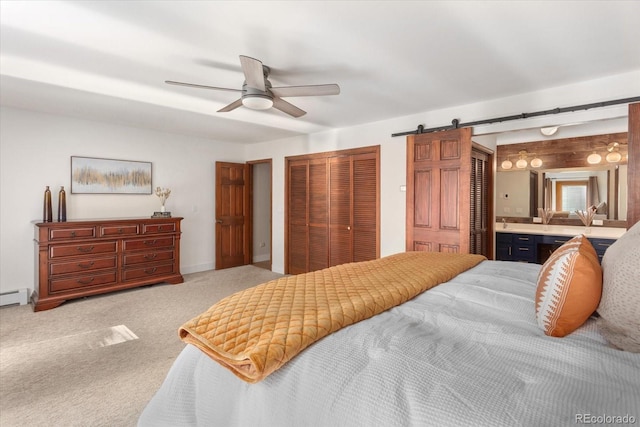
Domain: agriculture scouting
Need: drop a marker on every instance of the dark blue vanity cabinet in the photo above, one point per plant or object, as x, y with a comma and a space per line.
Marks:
536, 248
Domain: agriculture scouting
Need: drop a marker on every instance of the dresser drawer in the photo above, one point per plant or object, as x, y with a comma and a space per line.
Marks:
168, 227
72, 233
148, 271
81, 265
119, 230
59, 251
139, 258
84, 281
158, 242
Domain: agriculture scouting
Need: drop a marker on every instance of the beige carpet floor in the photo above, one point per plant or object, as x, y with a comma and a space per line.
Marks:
97, 361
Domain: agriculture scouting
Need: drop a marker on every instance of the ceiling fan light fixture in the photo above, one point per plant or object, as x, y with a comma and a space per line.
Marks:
257, 102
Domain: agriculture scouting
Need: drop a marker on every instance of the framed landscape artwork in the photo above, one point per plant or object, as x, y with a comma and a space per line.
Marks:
91, 175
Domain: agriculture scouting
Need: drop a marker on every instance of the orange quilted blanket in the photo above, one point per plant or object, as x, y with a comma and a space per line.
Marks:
256, 331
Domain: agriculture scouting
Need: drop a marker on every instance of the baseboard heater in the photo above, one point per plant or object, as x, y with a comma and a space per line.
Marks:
20, 296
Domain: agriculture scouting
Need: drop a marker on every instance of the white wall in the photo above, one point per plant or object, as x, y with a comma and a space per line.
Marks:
35, 150
261, 212
512, 194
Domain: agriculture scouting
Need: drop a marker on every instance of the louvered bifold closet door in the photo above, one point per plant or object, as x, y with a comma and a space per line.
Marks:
340, 188
478, 242
298, 241
366, 207
333, 209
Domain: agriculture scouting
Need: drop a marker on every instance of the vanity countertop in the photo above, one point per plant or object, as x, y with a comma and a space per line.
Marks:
561, 230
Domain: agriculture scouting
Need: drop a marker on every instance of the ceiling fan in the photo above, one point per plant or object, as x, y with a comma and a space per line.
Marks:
258, 94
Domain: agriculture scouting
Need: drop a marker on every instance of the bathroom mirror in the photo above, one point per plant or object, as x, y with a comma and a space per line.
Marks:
519, 193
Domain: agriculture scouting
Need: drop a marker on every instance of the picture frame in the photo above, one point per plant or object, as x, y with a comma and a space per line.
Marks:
93, 175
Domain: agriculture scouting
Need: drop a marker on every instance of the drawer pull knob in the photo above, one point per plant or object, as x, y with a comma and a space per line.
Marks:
150, 270
150, 242
85, 282
120, 230
560, 241
150, 256
523, 238
88, 265
85, 249
523, 249
73, 233
606, 245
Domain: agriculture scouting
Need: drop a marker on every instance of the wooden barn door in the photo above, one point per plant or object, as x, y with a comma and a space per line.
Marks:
438, 191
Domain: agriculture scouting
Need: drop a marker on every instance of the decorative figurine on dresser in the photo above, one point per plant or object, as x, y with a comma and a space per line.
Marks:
89, 257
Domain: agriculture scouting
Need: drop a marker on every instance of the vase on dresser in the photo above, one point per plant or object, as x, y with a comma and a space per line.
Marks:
47, 211
62, 205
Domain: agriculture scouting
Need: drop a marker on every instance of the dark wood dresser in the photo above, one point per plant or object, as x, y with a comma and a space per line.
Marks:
75, 259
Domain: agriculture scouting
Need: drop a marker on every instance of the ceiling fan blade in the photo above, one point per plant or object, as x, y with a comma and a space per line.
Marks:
253, 72
308, 90
231, 107
201, 86
288, 108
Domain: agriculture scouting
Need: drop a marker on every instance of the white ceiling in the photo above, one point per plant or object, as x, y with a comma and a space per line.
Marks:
108, 60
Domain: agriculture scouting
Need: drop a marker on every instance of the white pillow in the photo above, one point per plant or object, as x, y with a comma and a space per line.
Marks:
619, 307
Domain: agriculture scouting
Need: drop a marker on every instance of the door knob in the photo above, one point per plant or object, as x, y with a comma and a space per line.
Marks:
218, 221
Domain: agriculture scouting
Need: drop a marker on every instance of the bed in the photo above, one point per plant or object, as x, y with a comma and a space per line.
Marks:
469, 351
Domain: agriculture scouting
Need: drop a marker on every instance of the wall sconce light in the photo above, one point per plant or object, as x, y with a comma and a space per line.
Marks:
613, 154
594, 158
522, 161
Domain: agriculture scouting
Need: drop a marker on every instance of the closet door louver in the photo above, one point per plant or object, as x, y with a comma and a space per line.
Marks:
318, 218
340, 192
478, 242
298, 238
365, 207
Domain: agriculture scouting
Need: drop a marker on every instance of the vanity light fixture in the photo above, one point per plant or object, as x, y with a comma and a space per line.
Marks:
507, 164
594, 158
522, 163
613, 155
536, 163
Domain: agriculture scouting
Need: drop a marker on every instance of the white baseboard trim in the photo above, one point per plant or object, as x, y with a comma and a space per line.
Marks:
19, 296
197, 268
260, 258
